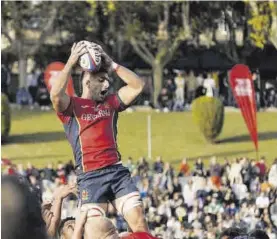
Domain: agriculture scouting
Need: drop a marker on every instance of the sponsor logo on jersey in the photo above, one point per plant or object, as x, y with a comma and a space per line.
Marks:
99, 114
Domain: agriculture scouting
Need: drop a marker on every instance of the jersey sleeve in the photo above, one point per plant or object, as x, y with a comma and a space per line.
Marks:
66, 115
116, 103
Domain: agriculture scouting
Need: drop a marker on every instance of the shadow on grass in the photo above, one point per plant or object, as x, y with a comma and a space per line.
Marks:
246, 137
36, 137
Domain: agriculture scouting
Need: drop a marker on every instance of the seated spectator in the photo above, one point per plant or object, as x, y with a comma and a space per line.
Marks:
262, 167
158, 165
130, 164
61, 172
199, 168
23, 98
69, 167
272, 175
143, 166
184, 168
49, 173
165, 100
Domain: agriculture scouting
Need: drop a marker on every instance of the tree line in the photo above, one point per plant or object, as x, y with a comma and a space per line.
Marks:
154, 31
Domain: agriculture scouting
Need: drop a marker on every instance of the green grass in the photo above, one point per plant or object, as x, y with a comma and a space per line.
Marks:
38, 137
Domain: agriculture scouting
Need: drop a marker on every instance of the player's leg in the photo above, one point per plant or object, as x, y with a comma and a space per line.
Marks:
94, 189
130, 206
127, 200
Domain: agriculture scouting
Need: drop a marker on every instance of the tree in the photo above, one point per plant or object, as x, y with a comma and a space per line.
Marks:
26, 26
155, 30
263, 23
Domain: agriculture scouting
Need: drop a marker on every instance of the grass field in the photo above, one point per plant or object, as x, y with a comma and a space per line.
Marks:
38, 137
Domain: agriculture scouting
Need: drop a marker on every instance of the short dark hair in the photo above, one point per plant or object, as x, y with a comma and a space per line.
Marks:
233, 232
63, 222
258, 234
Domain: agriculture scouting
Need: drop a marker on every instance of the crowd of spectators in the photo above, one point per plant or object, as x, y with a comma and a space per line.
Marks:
192, 202
181, 89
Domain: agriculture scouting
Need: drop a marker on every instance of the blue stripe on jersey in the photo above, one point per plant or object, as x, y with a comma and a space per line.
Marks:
115, 131
72, 133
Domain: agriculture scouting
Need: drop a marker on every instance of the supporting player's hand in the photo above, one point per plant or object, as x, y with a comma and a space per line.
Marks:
47, 215
80, 221
64, 190
77, 50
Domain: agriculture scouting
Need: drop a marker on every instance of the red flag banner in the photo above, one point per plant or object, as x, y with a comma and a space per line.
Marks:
243, 89
50, 74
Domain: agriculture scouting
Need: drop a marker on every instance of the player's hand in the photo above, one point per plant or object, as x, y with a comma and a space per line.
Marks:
106, 60
77, 50
64, 190
47, 215
80, 220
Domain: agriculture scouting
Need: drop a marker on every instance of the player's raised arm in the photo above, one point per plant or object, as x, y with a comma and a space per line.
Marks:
59, 98
134, 86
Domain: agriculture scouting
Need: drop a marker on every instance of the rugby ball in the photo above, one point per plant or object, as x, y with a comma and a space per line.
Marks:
91, 61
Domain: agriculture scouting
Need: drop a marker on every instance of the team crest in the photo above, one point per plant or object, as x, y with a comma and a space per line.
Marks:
106, 105
84, 195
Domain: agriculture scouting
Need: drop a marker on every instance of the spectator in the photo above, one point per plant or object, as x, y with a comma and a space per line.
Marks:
189, 193
32, 85
130, 165
199, 168
191, 86
23, 98
170, 86
215, 168
165, 100
43, 97
31, 170
69, 167
5, 79
180, 91
184, 168
262, 167
262, 201
20, 170
158, 165
61, 173
240, 189
235, 170
209, 84
50, 173
272, 175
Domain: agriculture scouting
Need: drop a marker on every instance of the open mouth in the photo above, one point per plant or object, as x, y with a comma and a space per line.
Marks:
104, 92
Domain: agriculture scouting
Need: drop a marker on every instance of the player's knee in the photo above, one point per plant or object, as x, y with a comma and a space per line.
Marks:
136, 219
131, 201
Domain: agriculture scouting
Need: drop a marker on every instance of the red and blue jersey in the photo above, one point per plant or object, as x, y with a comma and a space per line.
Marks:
91, 129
